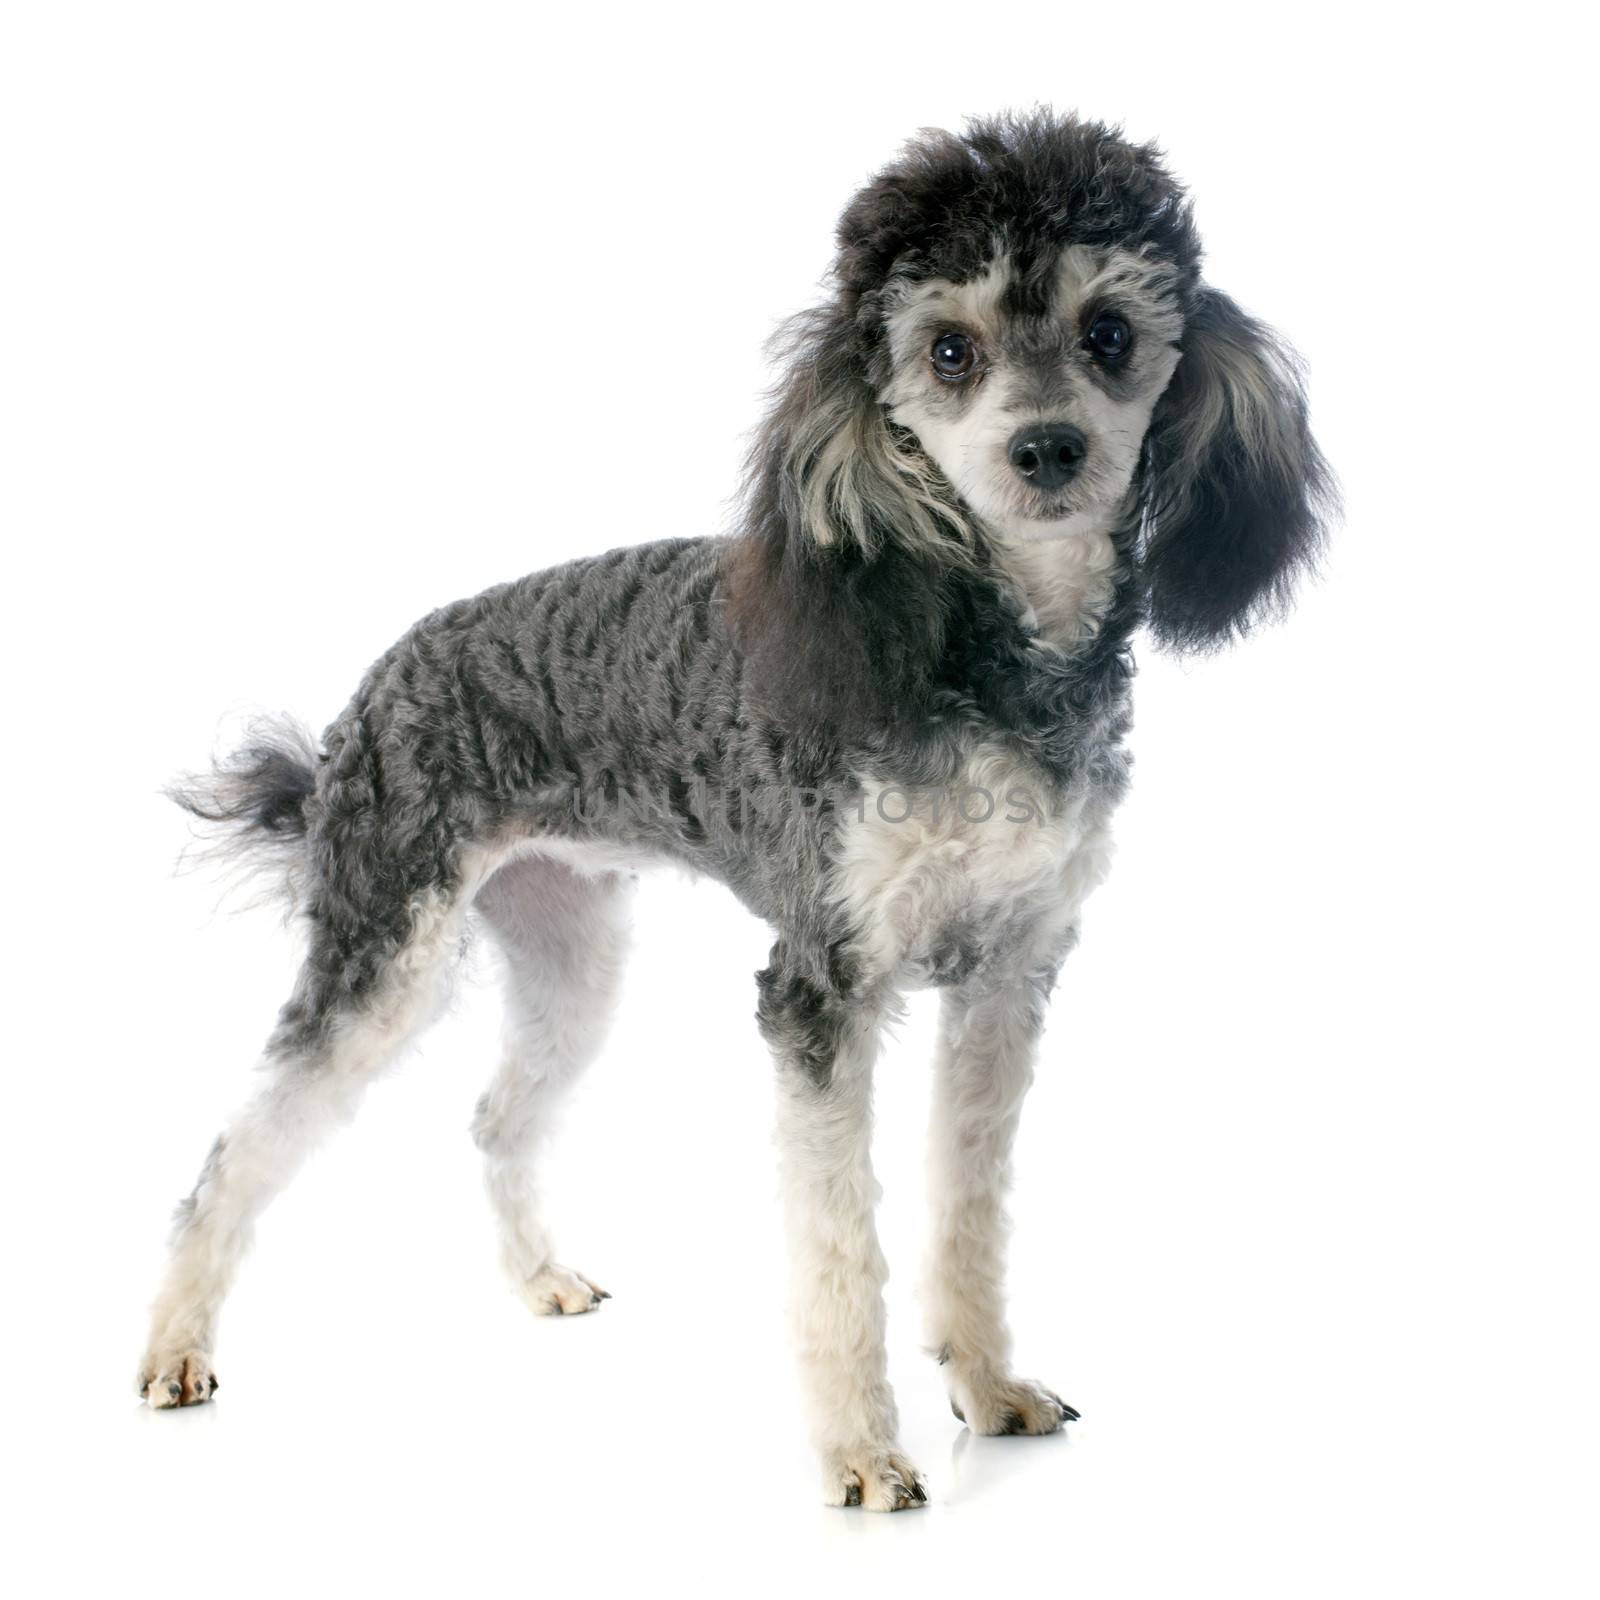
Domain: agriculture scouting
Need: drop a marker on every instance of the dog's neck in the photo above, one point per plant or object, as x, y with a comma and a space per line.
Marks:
909, 649
1066, 583
1036, 644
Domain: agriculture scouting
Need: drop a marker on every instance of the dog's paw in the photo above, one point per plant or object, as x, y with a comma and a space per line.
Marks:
1010, 1405
169, 1379
557, 1291
875, 1480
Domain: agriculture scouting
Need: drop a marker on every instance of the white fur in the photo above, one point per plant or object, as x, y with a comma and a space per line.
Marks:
264, 1146
1067, 583
906, 878
564, 938
260, 1151
983, 1070
824, 1138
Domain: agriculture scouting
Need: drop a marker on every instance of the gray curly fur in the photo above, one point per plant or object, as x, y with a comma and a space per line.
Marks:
598, 700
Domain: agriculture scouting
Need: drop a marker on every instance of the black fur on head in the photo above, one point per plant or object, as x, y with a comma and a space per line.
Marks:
856, 541
1024, 186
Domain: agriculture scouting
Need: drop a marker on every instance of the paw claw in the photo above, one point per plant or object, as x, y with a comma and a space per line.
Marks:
182, 1378
1010, 1406
557, 1291
874, 1480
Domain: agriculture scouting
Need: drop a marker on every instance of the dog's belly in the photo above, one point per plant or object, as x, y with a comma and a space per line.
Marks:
987, 873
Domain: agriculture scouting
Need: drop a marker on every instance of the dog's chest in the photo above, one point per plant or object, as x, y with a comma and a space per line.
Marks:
988, 869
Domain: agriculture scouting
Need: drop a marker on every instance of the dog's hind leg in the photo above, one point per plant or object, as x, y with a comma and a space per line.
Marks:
563, 935
359, 999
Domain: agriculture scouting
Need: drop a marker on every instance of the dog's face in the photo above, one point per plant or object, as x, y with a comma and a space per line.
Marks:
1020, 347
1032, 390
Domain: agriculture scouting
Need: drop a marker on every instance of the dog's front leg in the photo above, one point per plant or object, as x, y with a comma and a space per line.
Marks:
825, 1043
985, 1063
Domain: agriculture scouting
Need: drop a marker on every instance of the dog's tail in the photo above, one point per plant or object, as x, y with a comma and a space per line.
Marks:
253, 804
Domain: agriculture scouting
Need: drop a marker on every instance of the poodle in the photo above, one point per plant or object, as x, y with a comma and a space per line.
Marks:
888, 709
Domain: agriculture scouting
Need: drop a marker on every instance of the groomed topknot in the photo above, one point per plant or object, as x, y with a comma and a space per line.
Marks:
1026, 183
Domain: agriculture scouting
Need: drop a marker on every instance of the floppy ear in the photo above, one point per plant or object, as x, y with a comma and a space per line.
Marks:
1235, 492
835, 589
829, 462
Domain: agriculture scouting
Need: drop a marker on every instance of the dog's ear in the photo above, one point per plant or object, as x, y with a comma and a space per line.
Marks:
1236, 494
829, 462
836, 589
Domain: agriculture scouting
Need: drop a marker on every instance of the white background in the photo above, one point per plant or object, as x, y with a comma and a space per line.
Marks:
317, 316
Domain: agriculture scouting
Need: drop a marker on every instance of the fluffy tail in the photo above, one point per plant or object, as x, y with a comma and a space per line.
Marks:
253, 803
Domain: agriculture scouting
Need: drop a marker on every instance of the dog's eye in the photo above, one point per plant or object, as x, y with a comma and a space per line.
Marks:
953, 355
1109, 337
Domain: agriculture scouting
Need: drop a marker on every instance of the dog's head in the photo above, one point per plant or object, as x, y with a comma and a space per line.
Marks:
1020, 346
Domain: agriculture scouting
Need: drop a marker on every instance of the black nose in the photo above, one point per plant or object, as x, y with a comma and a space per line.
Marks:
1050, 454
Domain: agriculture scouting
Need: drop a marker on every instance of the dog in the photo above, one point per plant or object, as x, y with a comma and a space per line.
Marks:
888, 709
